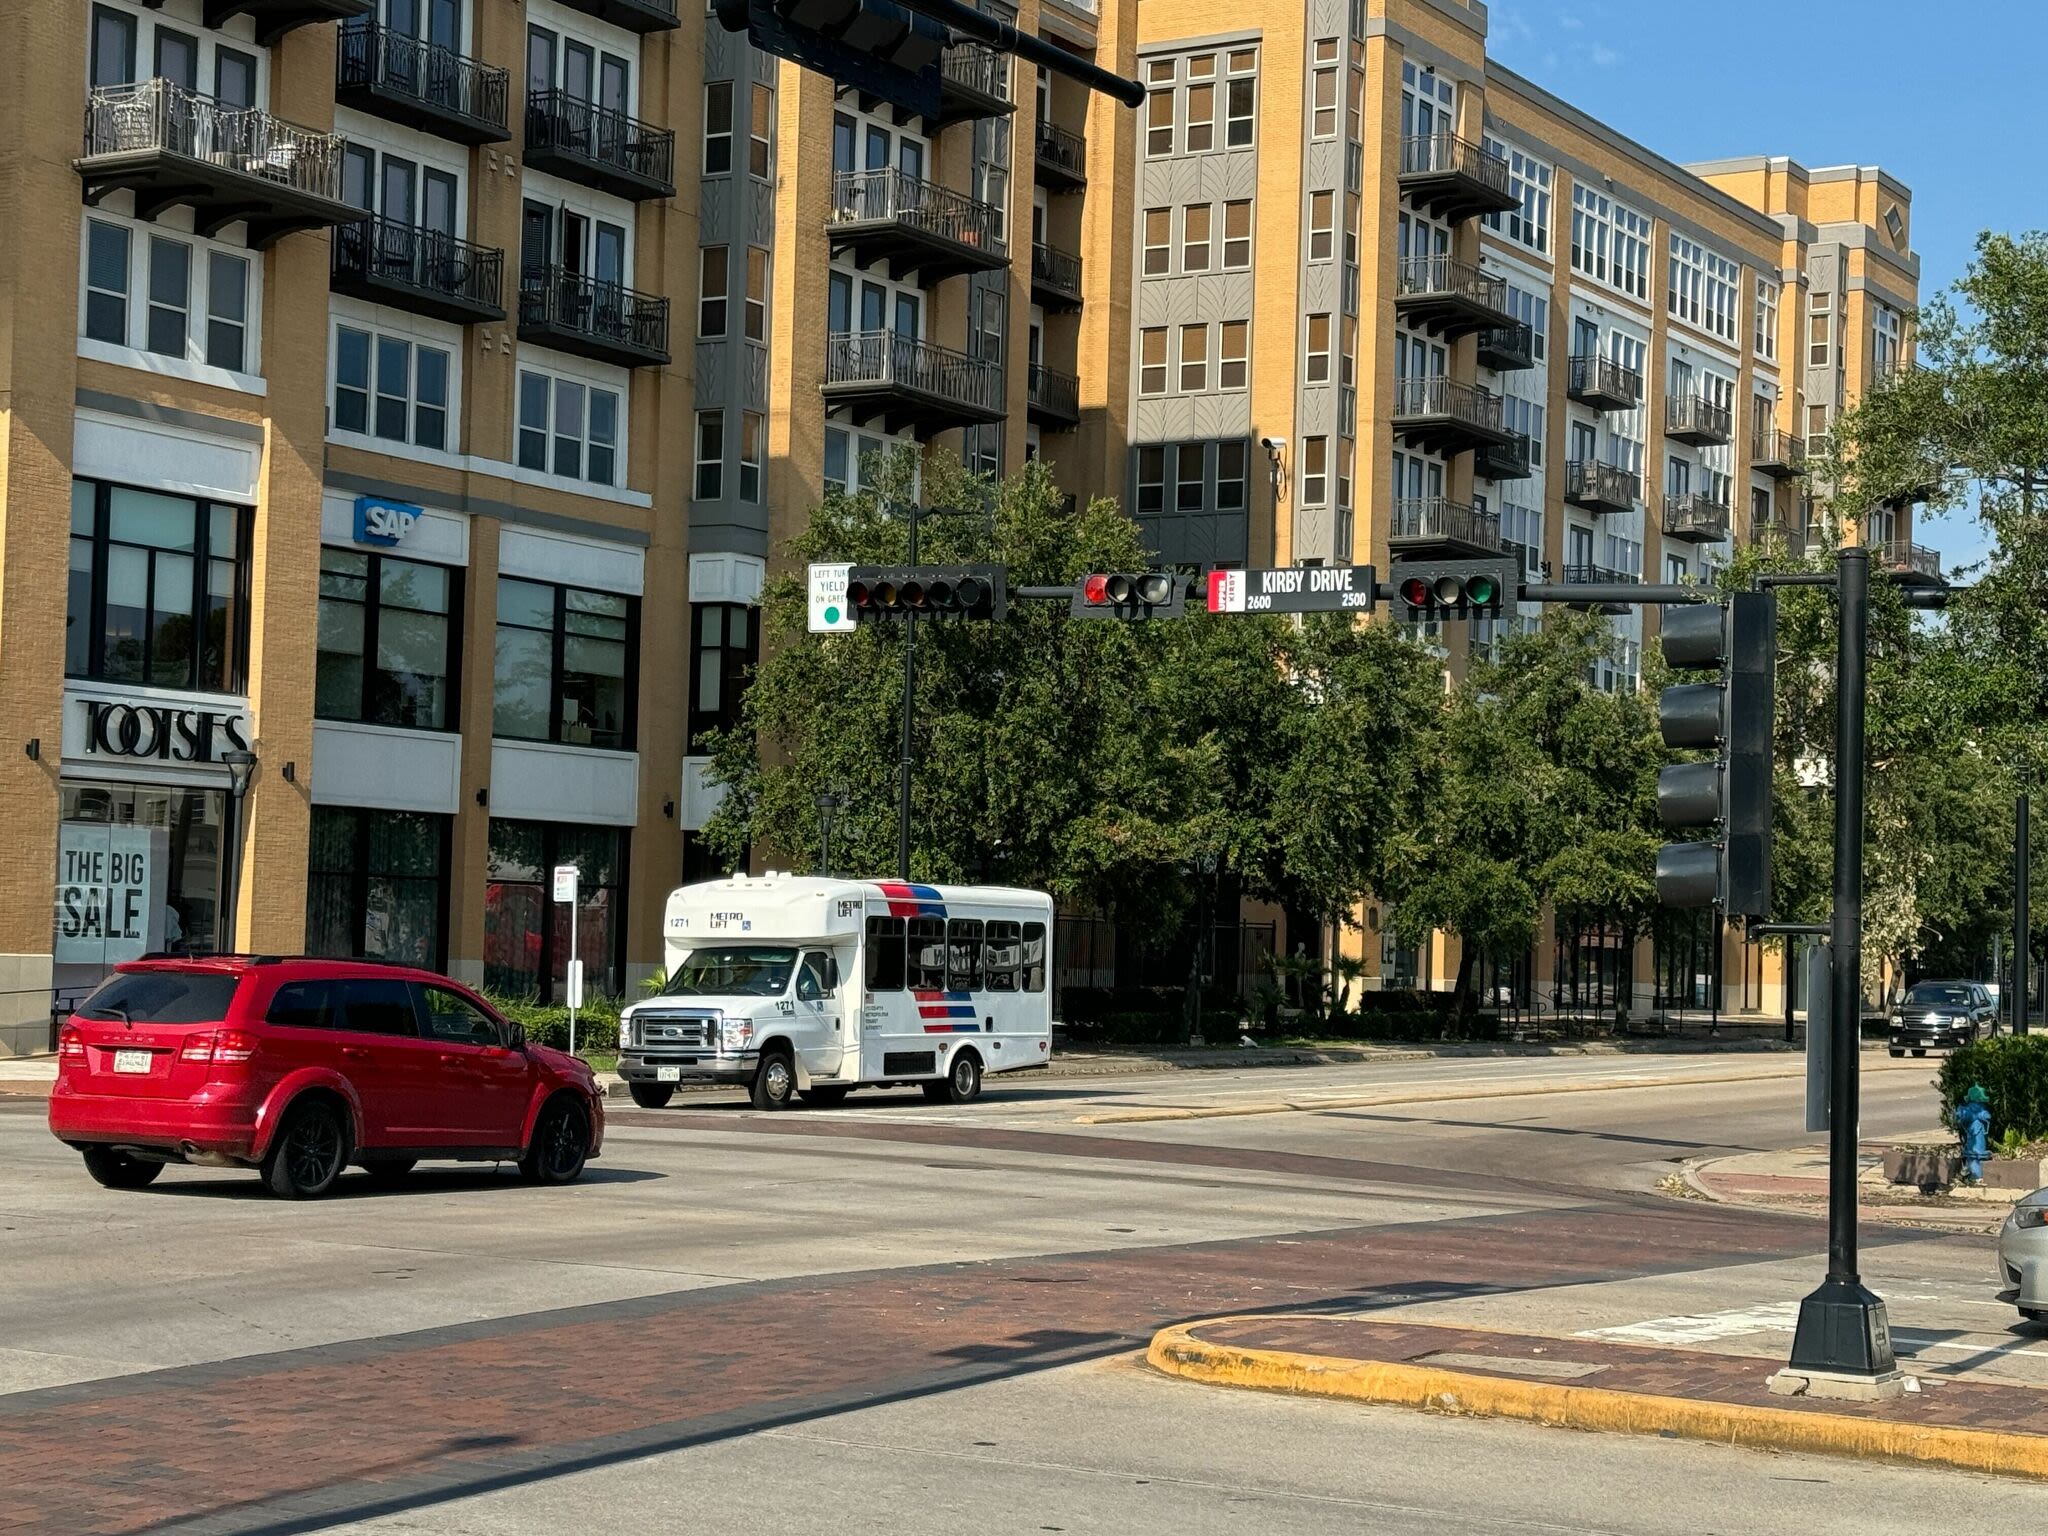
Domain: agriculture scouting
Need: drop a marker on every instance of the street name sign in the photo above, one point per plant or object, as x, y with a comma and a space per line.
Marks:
1294, 589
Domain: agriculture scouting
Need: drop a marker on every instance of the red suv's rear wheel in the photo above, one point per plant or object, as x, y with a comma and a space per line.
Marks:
310, 1151
118, 1170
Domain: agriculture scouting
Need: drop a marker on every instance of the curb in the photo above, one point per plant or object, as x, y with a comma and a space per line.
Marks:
1177, 1352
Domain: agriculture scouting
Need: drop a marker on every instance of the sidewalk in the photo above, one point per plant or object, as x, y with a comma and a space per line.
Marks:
1797, 1180
1599, 1384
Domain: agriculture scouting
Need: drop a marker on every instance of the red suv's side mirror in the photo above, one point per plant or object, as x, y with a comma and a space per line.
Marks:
515, 1035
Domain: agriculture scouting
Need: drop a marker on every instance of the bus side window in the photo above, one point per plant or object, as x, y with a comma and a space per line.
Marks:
1034, 957
927, 954
1002, 950
885, 954
963, 955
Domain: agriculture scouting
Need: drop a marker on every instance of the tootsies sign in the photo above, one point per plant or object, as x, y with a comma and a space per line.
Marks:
164, 732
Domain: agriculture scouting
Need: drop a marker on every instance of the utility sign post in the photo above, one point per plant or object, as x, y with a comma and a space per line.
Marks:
565, 891
830, 614
1299, 589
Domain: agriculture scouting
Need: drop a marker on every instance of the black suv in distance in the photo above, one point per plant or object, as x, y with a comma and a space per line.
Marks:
1942, 1014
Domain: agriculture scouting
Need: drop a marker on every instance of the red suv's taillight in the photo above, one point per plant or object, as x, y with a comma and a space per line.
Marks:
70, 1044
227, 1045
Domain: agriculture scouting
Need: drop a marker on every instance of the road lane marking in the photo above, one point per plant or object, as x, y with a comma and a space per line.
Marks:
1702, 1327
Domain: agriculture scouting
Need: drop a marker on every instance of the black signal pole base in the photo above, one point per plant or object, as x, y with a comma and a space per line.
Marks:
1843, 1332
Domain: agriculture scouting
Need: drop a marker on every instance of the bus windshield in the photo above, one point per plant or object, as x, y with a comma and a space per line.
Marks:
743, 970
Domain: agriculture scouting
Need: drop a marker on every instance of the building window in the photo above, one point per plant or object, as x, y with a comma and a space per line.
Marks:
1519, 415
1347, 373
725, 646
1346, 455
1610, 242
1315, 471
1194, 237
1820, 329
1158, 241
156, 590
1322, 218
1194, 359
717, 127
1159, 109
1533, 310
1237, 236
1885, 350
1201, 104
1240, 99
1323, 121
1233, 362
526, 934
387, 639
568, 428
1319, 349
1231, 457
1152, 360
1702, 289
1528, 180
762, 115
376, 885
757, 294
710, 455
753, 428
713, 286
390, 387
190, 302
565, 665
1766, 338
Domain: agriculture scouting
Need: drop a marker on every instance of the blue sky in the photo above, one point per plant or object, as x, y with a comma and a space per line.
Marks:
1945, 97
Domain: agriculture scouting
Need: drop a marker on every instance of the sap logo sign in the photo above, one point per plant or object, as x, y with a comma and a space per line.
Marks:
383, 522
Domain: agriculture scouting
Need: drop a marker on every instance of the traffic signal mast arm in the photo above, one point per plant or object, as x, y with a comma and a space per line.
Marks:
967, 22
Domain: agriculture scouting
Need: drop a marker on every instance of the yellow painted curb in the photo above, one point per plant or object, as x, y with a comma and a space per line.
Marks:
1178, 1352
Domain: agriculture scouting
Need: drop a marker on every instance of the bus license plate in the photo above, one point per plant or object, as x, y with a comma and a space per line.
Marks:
668, 1074
132, 1061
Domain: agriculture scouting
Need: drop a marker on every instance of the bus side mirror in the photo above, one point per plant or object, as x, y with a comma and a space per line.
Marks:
831, 974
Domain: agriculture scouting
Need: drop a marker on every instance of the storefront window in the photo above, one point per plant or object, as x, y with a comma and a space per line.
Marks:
564, 665
387, 640
526, 935
724, 646
375, 885
155, 589
138, 870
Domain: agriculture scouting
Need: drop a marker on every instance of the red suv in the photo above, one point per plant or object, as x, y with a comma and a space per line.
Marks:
299, 1067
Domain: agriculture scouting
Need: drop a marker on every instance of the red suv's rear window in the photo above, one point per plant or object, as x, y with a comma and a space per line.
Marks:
163, 997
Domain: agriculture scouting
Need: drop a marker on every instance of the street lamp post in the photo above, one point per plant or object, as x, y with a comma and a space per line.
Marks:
828, 801
241, 766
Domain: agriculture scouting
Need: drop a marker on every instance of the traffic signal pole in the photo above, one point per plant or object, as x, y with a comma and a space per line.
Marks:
909, 714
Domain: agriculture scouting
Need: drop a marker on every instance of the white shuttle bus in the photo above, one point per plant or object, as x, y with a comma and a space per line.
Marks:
809, 988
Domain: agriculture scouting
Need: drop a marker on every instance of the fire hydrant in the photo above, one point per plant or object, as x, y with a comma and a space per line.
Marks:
1973, 1126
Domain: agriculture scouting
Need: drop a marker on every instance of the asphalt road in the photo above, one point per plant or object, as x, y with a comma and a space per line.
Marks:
925, 1280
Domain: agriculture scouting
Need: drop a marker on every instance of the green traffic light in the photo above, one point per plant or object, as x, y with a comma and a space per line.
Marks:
1481, 591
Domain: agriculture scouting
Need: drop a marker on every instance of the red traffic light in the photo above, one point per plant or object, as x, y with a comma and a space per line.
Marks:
1096, 588
1415, 592
858, 594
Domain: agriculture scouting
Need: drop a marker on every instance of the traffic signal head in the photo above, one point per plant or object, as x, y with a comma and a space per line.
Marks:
876, 46
1731, 792
957, 591
1129, 595
1455, 588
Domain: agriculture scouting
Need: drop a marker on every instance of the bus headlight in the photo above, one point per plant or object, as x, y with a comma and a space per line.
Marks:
735, 1034
625, 1031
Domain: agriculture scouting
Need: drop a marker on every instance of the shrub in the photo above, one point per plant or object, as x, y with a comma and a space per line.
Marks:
2013, 1072
597, 1021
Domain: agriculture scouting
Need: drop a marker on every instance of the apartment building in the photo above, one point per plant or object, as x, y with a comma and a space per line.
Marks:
428, 383
1395, 299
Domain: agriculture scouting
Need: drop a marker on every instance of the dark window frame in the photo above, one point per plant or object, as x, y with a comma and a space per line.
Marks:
551, 855
885, 940
558, 639
373, 607
235, 642
736, 666
917, 976
359, 875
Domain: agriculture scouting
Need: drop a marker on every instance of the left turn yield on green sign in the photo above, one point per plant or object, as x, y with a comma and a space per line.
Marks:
829, 611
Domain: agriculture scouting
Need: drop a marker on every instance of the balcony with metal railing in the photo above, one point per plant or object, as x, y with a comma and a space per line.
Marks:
1909, 564
913, 225
422, 85
1062, 159
1454, 178
1055, 277
594, 145
1508, 348
604, 321
1447, 297
170, 146
1697, 420
273, 18
642, 16
1602, 383
1440, 414
421, 270
1780, 538
1511, 460
1781, 455
974, 81
1054, 398
1598, 487
1598, 576
1689, 515
1435, 525
906, 382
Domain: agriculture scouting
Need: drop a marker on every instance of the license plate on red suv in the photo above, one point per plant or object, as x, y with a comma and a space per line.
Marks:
136, 1062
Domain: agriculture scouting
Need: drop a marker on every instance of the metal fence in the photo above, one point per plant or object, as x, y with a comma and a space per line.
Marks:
555, 296
569, 125
912, 363
165, 117
424, 259
370, 54
889, 195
